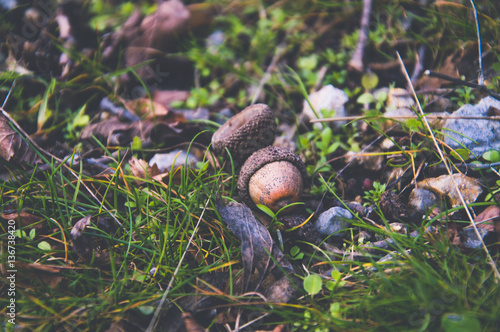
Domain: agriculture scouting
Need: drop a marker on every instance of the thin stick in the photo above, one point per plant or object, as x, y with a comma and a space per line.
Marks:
357, 58
462, 82
8, 93
280, 50
448, 169
164, 297
404, 117
480, 79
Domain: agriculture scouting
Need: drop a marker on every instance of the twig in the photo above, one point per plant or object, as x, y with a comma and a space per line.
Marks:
356, 61
480, 79
462, 82
164, 297
419, 63
404, 117
267, 75
8, 93
448, 169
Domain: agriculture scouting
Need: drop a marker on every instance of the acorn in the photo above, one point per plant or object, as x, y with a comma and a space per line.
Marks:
272, 176
246, 132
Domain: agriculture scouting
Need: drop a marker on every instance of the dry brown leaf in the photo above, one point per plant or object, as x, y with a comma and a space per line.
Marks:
26, 219
489, 219
141, 169
13, 147
146, 108
191, 324
257, 245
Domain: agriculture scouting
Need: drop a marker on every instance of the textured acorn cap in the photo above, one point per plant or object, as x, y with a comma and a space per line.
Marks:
246, 132
261, 158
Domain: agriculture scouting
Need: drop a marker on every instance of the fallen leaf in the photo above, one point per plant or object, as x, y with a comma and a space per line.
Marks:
13, 147
141, 169
26, 219
257, 245
117, 133
489, 218
82, 244
191, 324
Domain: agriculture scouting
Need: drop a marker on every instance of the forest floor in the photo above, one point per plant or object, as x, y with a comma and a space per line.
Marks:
119, 214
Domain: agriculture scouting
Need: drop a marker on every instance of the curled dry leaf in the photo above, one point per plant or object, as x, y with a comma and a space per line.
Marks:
25, 219
117, 133
81, 244
141, 169
13, 147
489, 219
257, 245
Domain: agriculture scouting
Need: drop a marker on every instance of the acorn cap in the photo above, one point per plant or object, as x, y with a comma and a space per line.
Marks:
246, 132
261, 158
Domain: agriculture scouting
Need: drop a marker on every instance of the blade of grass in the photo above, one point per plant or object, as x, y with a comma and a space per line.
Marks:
152, 324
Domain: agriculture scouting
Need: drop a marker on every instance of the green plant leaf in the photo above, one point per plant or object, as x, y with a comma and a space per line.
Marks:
336, 275
44, 245
136, 143
313, 284
266, 210
369, 81
413, 125
146, 309
308, 62
460, 154
365, 98
44, 113
492, 156
32, 233
326, 135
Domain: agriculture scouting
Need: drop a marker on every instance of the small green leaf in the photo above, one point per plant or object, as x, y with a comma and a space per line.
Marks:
460, 154
492, 156
130, 204
313, 284
451, 322
81, 119
336, 275
294, 251
326, 135
44, 113
308, 62
365, 98
136, 143
335, 309
333, 147
146, 309
413, 125
330, 285
44, 245
266, 210
32, 233
369, 81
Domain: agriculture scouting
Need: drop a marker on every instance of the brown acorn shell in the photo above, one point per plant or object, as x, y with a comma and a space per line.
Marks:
257, 160
246, 132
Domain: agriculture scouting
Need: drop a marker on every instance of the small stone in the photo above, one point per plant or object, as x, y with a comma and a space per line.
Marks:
333, 221
470, 240
444, 186
327, 98
478, 136
421, 200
